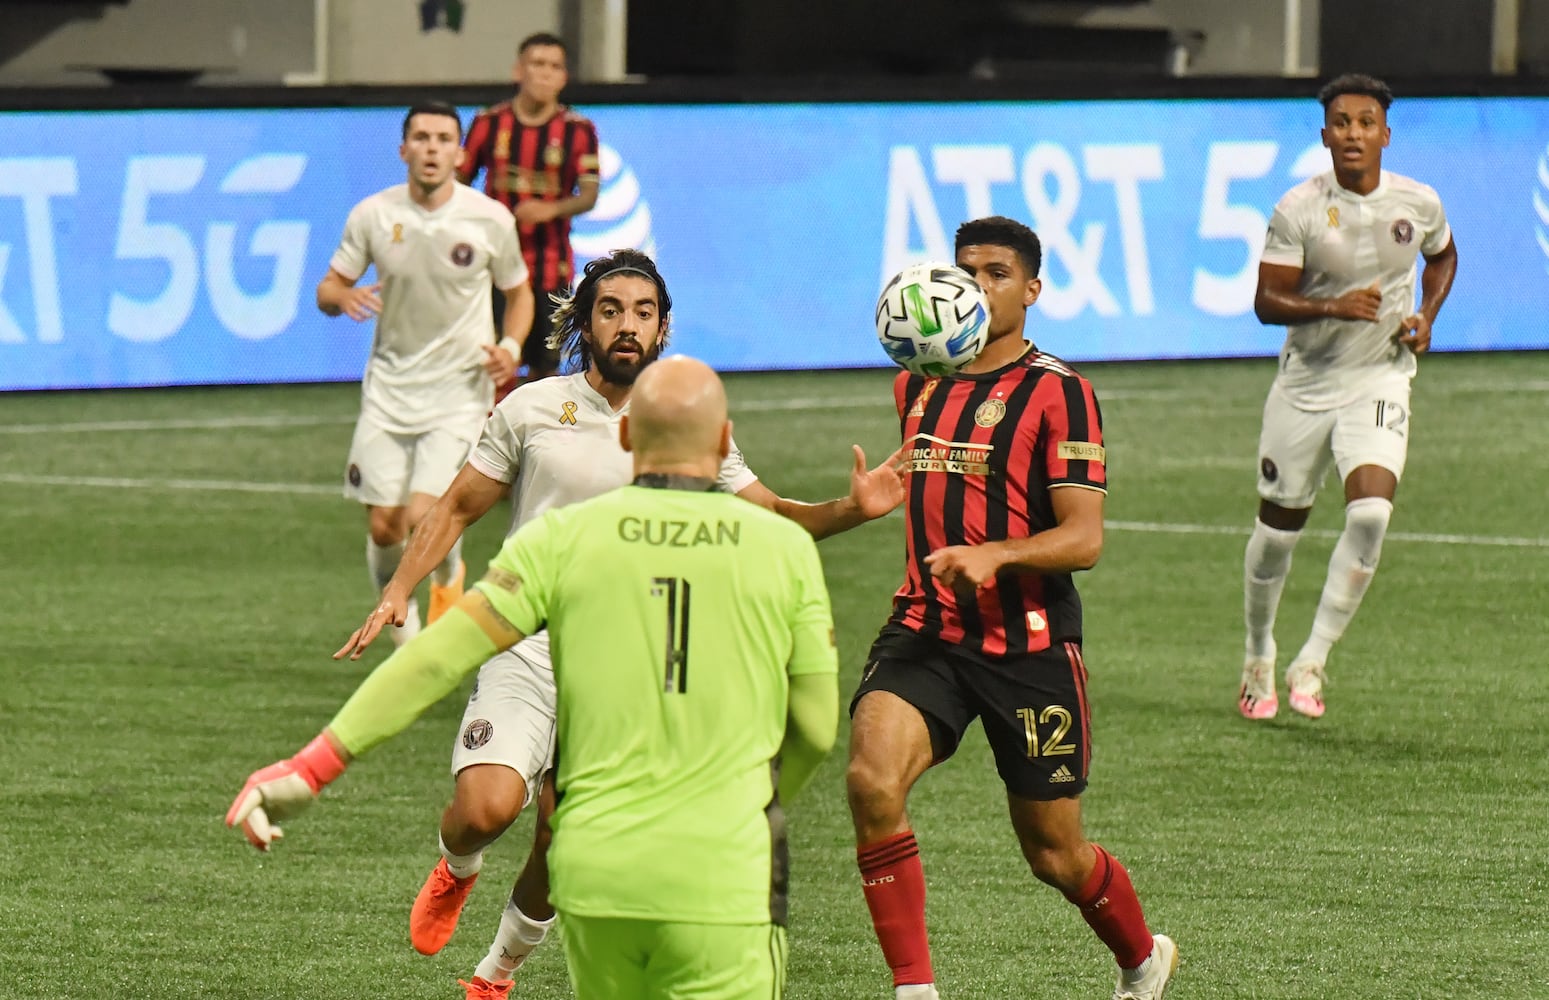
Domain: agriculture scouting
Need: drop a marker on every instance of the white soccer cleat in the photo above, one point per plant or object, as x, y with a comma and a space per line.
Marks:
1160, 968
916, 991
1305, 679
411, 624
1256, 699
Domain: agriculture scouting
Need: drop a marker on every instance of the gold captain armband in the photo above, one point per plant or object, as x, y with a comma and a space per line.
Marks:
476, 605
502, 579
1081, 451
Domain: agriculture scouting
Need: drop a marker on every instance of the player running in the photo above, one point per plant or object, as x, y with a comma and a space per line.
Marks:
1339, 270
430, 380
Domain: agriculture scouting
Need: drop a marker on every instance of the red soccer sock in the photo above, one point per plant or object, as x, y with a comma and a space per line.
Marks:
1110, 907
894, 883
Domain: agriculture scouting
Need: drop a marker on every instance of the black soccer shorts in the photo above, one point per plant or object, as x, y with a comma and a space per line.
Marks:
1033, 705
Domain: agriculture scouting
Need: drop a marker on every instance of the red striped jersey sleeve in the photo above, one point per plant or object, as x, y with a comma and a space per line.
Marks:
476, 147
583, 152
1073, 452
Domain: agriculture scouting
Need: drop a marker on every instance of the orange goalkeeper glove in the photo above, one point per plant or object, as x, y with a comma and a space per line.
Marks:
283, 790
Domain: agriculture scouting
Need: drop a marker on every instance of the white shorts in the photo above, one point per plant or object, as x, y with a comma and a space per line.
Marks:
386, 468
510, 715
1297, 447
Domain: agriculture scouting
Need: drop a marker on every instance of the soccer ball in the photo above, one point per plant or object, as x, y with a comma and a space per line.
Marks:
932, 318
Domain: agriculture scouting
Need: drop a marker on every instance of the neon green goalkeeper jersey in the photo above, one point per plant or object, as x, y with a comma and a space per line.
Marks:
676, 618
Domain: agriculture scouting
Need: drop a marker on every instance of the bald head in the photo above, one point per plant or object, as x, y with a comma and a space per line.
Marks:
677, 419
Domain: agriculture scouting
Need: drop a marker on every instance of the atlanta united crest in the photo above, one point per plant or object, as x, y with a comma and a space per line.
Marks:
990, 413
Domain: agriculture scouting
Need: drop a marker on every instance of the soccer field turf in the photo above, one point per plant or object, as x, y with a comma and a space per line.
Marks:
176, 567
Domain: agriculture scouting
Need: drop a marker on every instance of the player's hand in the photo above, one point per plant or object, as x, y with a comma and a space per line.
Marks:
393, 610
1414, 333
1363, 303
878, 491
499, 363
964, 567
282, 790
532, 213
361, 302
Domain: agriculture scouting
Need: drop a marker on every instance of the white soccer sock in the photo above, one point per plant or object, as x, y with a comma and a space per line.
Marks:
1266, 564
1350, 571
462, 865
446, 570
519, 935
383, 562
916, 991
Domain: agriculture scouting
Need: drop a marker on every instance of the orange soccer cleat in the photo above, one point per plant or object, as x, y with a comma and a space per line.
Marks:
483, 989
437, 907
442, 598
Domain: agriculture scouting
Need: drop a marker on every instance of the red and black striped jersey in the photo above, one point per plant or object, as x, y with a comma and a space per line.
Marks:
985, 450
534, 162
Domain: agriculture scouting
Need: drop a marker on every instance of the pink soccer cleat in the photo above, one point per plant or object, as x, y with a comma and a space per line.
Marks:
1256, 699
1306, 683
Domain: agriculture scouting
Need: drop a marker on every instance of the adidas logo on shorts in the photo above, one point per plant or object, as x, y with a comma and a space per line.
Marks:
1062, 774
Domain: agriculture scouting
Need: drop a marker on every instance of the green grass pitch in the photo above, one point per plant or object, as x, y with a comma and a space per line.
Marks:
176, 567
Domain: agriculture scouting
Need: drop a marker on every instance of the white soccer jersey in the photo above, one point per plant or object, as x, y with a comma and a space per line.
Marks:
557, 441
436, 270
1344, 241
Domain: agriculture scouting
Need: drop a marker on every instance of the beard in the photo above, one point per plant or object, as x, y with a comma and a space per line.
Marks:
616, 370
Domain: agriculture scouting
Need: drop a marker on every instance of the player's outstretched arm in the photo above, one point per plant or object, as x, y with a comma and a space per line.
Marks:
421, 673
811, 725
873, 493
469, 498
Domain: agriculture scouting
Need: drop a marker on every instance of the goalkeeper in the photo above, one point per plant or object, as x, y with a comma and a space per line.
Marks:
697, 689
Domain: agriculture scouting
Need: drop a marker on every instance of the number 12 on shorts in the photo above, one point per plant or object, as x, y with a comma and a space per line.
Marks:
1391, 415
675, 592
1052, 747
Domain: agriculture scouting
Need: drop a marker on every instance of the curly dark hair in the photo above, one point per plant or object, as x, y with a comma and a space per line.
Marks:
999, 231
573, 315
1356, 83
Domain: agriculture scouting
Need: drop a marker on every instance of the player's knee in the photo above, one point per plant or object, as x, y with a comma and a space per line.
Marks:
388, 525
488, 819
874, 794
1056, 865
1366, 523
486, 809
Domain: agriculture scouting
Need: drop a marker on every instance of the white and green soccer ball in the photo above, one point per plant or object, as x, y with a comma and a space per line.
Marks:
932, 318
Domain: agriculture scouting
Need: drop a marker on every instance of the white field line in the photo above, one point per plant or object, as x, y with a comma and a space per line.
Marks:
163, 485
215, 424
319, 489
1425, 538
877, 402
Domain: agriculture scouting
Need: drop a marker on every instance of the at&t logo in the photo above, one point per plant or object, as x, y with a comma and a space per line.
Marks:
1541, 204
